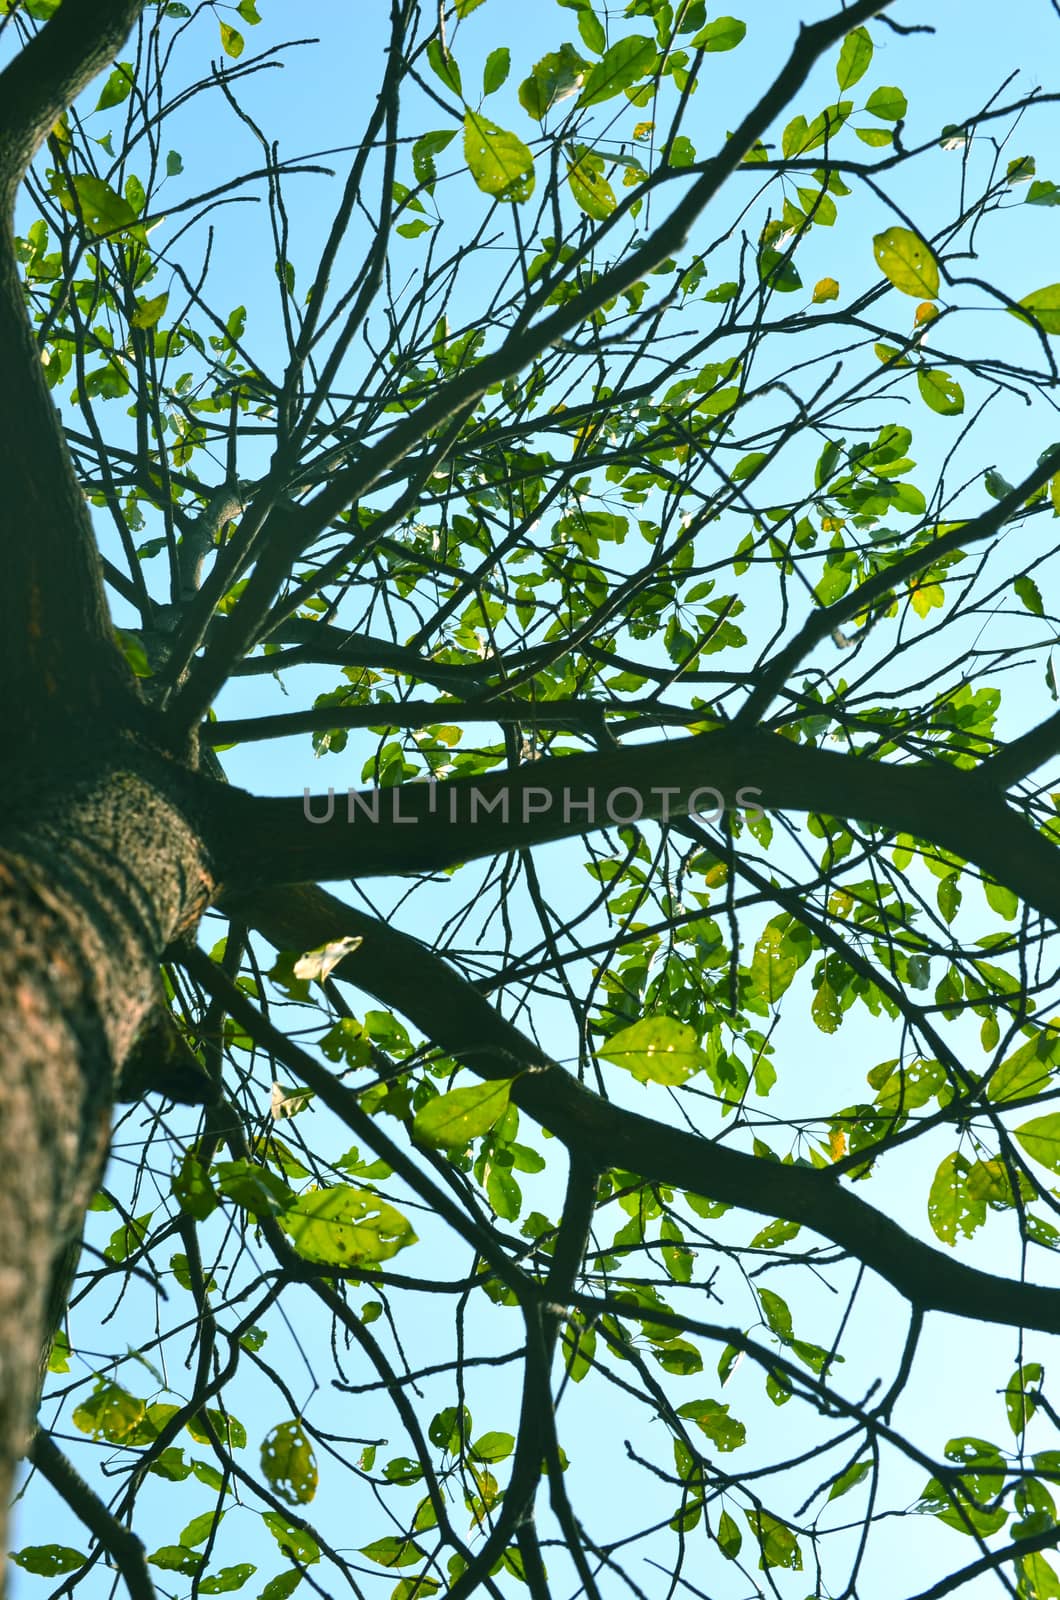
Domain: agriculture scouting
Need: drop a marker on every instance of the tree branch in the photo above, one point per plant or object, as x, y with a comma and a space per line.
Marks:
820, 624
457, 398
55, 635
427, 826
82, 38
119, 1542
450, 1011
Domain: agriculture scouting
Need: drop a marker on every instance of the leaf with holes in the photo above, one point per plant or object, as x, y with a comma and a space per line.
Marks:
288, 1462
907, 262
499, 162
346, 1227
655, 1050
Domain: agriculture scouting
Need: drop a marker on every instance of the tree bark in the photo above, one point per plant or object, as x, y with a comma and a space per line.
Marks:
101, 867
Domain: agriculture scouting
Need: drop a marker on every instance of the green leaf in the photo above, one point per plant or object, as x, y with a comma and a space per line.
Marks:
948, 895
679, 1357
1028, 1070
346, 1227
427, 146
149, 313
655, 1050
1044, 306
110, 1413
231, 40
952, 1209
724, 33
499, 162
253, 1187
890, 105
48, 1560
776, 1312
1019, 1404
444, 66
227, 1579
627, 61
729, 1537
854, 58
296, 1543
282, 1586
591, 190
450, 1121
505, 1195
228, 1429
941, 392
289, 1464
555, 77
774, 963
118, 86
776, 1542
178, 1558
493, 1447
1030, 594
498, 65
103, 209
393, 1552
59, 1355
907, 262
1041, 1139
850, 1478
199, 1528
712, 1418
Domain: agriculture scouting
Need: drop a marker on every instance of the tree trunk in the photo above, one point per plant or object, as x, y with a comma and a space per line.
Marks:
101, 866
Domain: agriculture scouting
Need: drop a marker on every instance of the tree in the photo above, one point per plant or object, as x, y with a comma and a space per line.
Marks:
543, 481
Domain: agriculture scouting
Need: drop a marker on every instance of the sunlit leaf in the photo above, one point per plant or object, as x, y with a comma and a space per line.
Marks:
855, 57
499, 162
907, 262
320, 963
1041, 1139
941, 392
451, 1121
1044, 306
627, 61
655, 1050
289, 1464
48, 1560
345, 1227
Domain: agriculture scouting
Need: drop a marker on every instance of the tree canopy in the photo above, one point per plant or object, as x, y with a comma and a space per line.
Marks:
599, 487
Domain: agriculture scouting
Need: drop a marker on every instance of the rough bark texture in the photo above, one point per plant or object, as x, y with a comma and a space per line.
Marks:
100, 868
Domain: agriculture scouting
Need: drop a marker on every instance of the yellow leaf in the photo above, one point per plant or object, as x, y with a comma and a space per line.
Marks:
925, 596
825, 289
837, 1144
926, 311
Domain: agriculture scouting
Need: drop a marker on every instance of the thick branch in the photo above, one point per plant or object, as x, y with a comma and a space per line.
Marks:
82, 38
123, 1546
420, 827
450, 1011
55, 637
